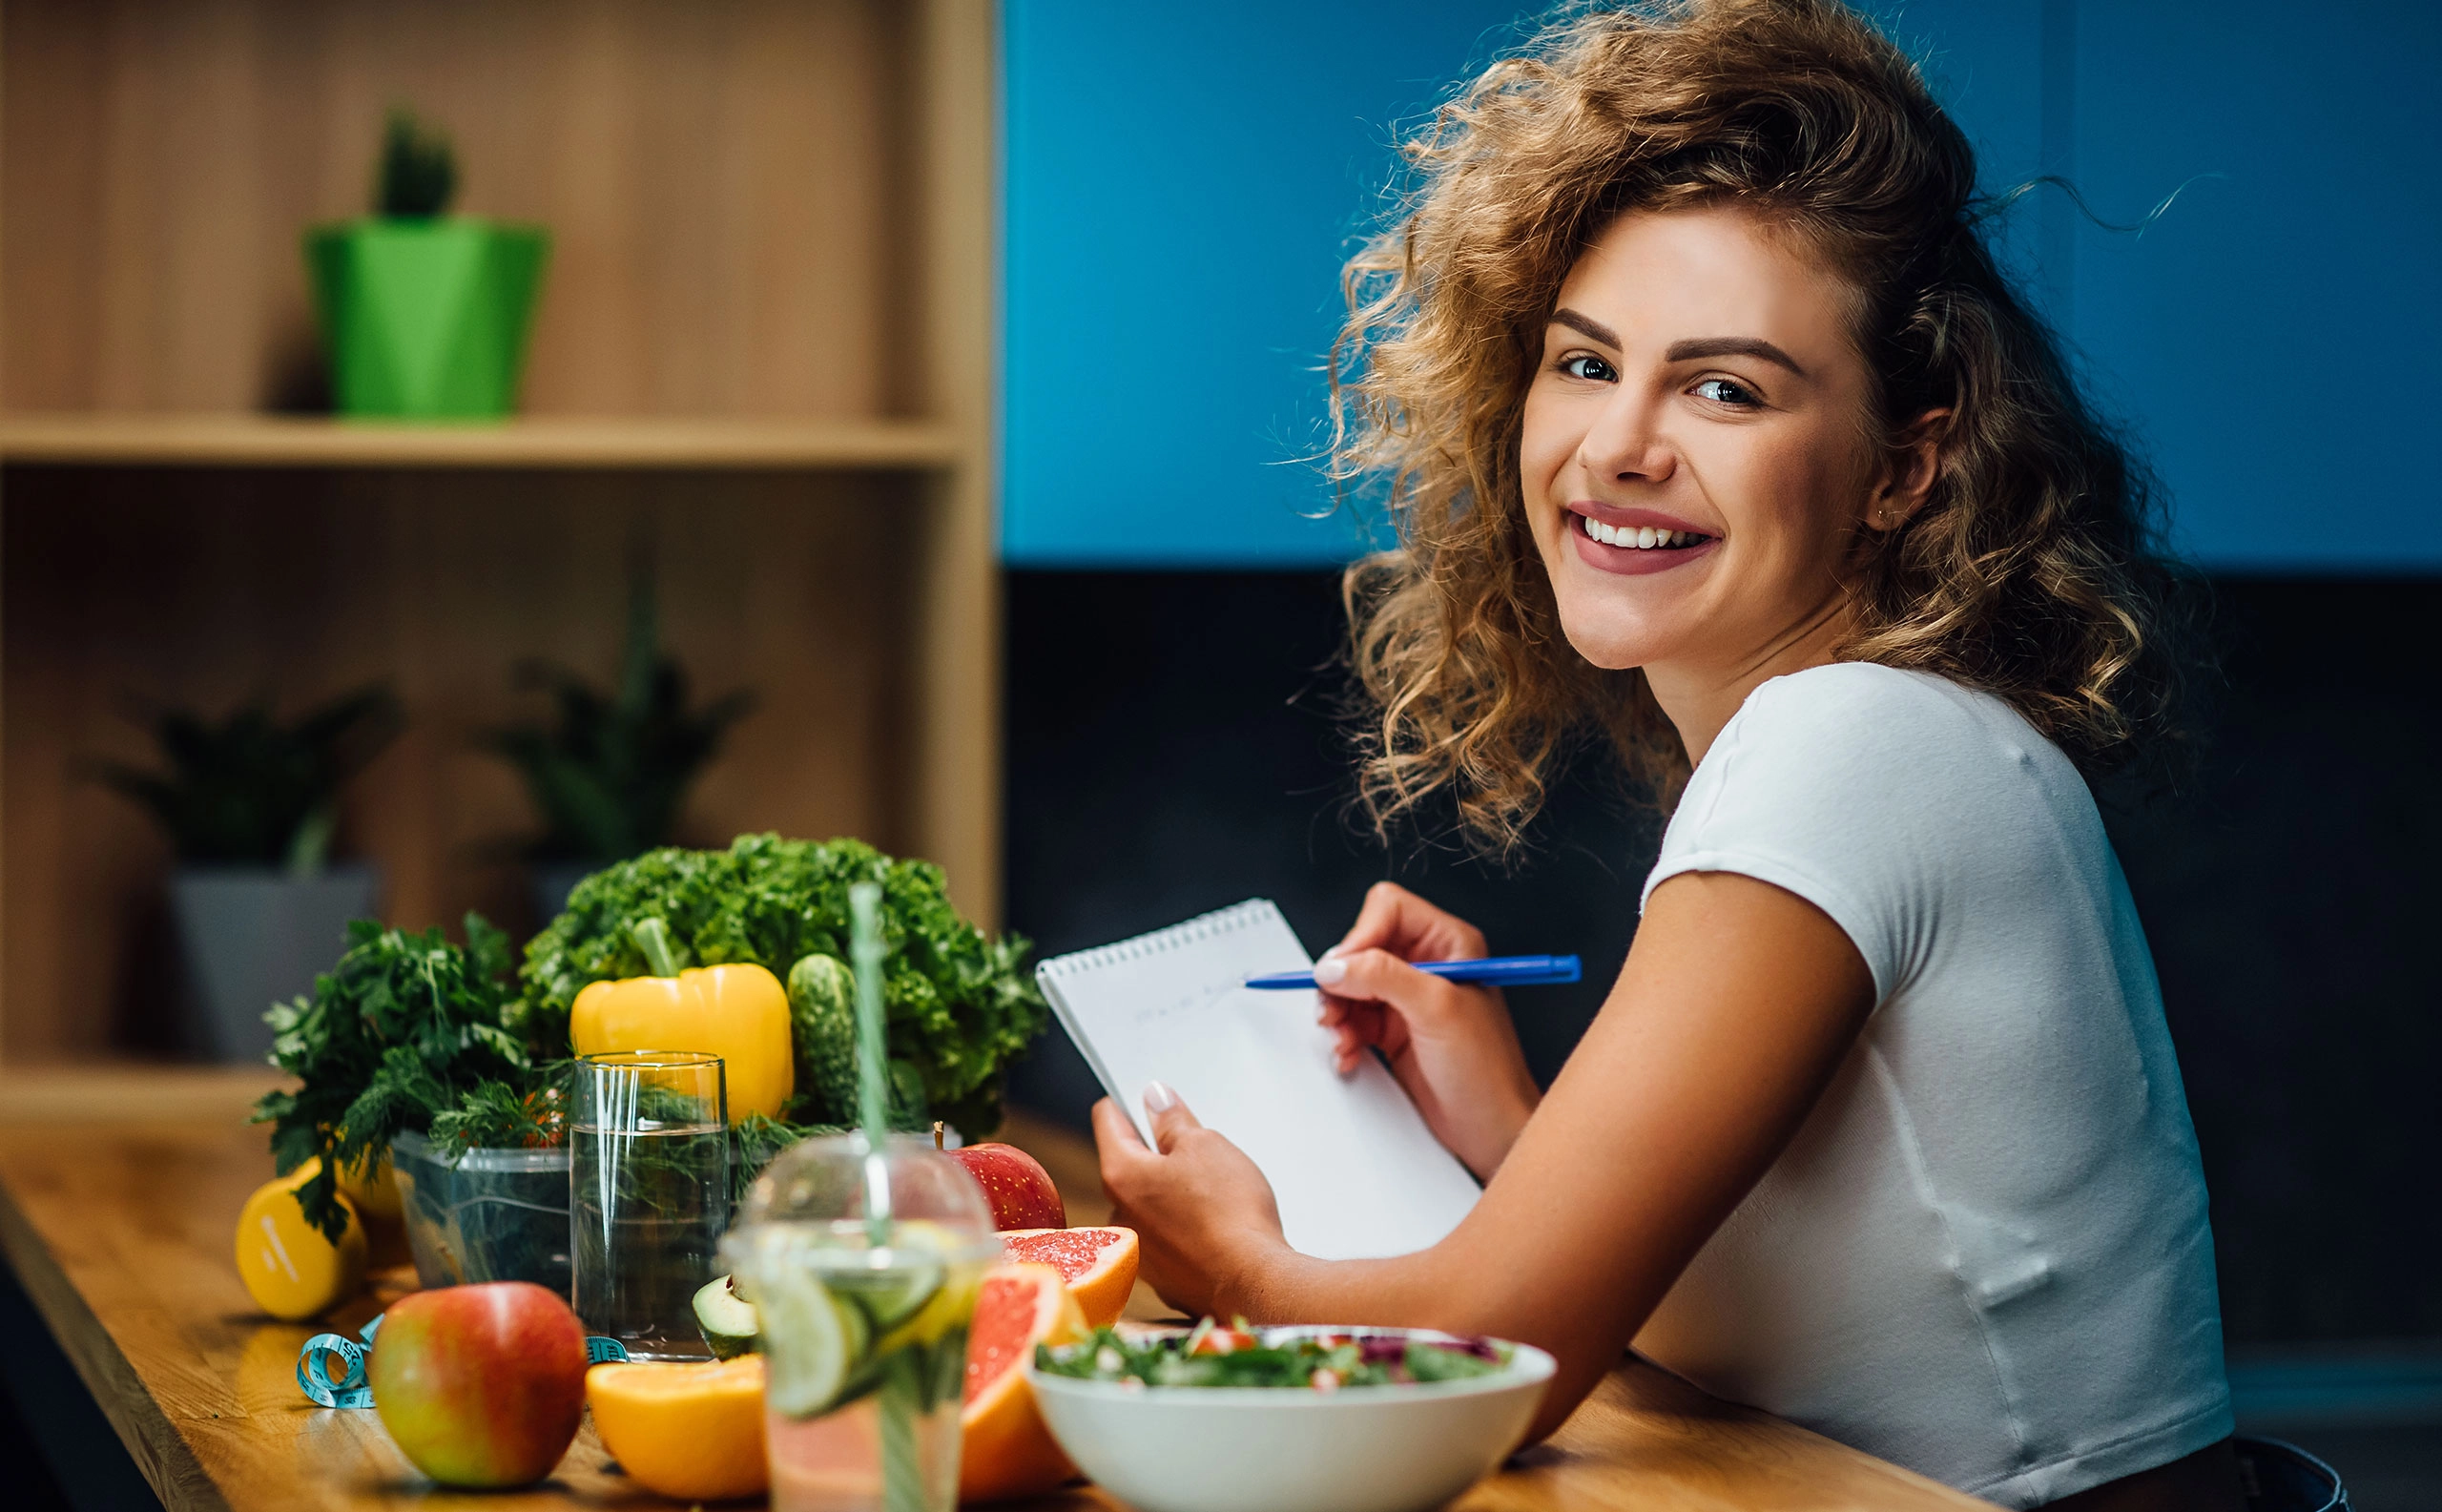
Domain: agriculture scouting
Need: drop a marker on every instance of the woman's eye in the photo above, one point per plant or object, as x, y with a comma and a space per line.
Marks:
1724, 391
1591, 368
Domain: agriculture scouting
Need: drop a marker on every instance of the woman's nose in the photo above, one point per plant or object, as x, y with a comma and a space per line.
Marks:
1624, 443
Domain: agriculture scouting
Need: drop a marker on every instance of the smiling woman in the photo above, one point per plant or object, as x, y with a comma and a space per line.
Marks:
1713, 432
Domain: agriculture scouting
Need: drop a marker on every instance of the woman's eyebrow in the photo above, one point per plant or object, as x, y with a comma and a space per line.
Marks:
1689, 351
1591, 329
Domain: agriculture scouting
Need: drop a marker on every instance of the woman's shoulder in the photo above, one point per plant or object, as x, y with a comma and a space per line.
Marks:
1868, 699
1850, 739
1878, 794
1887, 720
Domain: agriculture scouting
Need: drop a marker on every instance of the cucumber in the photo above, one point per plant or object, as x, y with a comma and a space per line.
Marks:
727, 1320
891, 1297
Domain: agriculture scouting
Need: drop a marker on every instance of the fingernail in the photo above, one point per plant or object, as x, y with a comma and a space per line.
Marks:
1329, 973
1159, 1098
1335, 950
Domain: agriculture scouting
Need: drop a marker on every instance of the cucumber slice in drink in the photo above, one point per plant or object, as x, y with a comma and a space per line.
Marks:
812, 1340
727, 1320
891, 1297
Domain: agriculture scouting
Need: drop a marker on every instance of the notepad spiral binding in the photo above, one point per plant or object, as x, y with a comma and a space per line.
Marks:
1202, 927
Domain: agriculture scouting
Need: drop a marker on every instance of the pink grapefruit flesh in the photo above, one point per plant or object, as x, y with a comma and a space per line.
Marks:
1098, 1264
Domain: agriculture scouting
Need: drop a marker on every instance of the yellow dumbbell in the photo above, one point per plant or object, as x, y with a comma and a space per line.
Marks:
290, 1270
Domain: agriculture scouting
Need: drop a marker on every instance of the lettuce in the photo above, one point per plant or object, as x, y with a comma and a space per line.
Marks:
960, 1004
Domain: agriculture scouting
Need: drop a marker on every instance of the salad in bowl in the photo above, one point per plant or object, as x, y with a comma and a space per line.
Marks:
1306, 1418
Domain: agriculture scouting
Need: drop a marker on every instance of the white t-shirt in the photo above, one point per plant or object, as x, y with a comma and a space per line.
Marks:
1986, 1254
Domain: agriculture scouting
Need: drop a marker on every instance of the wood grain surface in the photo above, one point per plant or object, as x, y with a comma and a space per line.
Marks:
658, 442
117, 1196
725, 186
205, 589
773, 260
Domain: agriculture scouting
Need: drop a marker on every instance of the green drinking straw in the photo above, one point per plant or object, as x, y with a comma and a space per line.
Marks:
873, 1049
903, 1474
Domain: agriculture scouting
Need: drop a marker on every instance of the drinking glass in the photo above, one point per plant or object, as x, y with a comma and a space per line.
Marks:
864, 1265
648, 1154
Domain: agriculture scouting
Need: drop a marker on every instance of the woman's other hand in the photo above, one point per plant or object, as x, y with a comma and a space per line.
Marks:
1204, 1215
1452, 1047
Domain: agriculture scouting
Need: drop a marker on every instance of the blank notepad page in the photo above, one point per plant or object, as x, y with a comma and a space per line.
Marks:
1358, 1173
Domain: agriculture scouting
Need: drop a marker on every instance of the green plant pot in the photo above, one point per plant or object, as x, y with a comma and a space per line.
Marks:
426, 319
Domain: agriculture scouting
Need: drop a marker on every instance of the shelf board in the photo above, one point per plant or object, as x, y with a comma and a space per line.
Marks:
170, 440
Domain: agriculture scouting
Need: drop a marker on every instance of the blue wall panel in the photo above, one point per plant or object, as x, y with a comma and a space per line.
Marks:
2271, 337
1183, 181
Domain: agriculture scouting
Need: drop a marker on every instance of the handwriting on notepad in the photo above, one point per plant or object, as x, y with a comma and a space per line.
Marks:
1191, 1000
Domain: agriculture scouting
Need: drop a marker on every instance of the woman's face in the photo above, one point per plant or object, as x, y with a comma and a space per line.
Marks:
1695, 453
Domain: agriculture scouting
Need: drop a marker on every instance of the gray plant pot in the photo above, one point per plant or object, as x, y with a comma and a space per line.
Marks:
254, 935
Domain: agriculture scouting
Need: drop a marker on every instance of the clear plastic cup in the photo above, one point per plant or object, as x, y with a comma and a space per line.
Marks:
864, 1265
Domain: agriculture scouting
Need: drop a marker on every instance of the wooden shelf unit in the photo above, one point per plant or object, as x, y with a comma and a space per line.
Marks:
763, 353
709, 444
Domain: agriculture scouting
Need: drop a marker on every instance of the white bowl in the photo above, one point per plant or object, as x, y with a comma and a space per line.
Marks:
1293, 1449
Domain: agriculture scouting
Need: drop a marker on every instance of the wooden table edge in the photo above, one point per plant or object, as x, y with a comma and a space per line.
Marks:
161, 1454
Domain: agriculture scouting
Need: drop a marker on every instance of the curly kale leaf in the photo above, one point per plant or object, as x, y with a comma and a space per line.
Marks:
394, 1036
960, 1003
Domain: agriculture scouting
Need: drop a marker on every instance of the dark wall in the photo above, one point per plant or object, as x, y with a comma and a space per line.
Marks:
1171, 749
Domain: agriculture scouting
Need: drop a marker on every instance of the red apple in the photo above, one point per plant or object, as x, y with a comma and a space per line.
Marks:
1020, 1191
480, 1386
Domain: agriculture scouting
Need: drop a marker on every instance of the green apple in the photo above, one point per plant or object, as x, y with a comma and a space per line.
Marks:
480, 1386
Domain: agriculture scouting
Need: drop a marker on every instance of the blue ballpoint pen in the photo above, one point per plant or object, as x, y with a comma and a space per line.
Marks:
1498, 971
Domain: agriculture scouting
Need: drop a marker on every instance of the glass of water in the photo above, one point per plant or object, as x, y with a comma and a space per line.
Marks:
649, 1156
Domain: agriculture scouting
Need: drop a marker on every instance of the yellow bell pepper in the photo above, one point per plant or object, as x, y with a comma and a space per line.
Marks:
739, 1013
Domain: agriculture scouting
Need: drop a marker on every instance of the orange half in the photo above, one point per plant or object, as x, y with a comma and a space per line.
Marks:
694, 1432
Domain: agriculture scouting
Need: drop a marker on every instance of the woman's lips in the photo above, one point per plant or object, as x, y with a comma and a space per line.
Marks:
1630, 561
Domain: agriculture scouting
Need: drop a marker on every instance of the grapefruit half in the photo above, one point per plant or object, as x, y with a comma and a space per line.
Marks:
1098, 1264
1005, 1451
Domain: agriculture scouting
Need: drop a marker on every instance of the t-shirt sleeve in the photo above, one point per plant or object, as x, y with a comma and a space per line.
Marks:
1838, 784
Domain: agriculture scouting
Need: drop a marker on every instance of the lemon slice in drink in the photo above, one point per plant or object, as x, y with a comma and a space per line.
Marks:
950, 1307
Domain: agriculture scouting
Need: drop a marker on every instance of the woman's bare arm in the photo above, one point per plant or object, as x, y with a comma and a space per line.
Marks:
1736, 1006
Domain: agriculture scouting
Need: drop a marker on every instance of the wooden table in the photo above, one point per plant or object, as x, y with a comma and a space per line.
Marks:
118, 1190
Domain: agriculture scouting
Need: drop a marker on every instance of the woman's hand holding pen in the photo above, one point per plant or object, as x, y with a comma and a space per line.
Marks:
1452, 1046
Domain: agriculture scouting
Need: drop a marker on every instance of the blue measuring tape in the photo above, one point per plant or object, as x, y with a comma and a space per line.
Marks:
314, 1363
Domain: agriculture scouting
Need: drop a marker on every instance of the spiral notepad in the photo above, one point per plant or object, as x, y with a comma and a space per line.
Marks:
1358, 1173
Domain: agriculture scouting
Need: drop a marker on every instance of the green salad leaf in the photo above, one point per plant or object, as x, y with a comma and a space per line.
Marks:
1208, 1356
959, 1003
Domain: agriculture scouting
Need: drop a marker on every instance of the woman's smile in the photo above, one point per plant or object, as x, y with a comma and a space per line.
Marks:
1630, 542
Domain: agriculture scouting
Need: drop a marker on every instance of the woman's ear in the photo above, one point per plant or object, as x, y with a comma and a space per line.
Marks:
1910, 466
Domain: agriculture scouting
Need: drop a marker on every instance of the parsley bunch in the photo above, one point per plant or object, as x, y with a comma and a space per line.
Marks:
405, 1029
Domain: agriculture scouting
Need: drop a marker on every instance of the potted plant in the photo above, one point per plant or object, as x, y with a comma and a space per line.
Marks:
250, 805
424, 314
609, 772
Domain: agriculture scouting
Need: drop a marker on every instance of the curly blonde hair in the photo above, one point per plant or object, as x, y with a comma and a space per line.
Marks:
2032, 569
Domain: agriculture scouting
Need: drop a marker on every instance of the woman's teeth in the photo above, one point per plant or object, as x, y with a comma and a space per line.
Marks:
1637, 538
